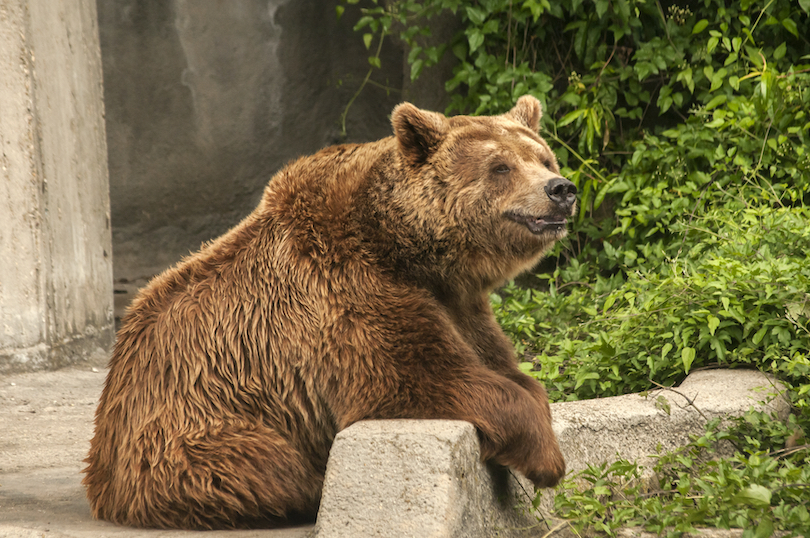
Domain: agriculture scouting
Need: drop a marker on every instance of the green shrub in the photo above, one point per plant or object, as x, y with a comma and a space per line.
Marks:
736, 296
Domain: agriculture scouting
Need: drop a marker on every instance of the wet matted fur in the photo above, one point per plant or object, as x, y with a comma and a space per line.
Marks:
358, 289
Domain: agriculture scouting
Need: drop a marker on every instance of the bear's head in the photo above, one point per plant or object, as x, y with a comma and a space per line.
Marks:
488, 189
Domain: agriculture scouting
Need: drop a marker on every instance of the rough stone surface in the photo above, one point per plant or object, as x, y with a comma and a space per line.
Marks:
703, 533
55, 242
634, 426
418, 478
375, 464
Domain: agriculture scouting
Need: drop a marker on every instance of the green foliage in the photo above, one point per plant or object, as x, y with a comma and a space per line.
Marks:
686, 131
737, 295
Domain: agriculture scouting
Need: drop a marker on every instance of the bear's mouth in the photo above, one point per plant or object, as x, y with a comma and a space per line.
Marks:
539, 225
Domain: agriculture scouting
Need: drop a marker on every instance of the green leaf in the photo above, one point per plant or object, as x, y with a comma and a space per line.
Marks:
339, 10
754, 495
571, 116
601, 7
764, 529
476, 39
367, 40
713, 323
779, 53
716, 101
663, 404
476, 15
536, 8
414, 54
790, 26
734, 82
760, 334
526, 367
416, 69
712, 44
583, 376
363, 22
701, 25
687, 357
805, 5
460, 50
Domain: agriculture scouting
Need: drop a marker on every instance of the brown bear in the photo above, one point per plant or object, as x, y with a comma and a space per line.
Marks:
358, 289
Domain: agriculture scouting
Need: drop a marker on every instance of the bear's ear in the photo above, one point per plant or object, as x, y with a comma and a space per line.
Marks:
527, 111
418, 132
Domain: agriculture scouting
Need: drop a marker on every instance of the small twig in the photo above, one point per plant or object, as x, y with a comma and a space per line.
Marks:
689, 401
764, 141
571, 150
360, 89
556, 528
761, 13
776, 454
604, 65
519, 483
383, 86
664, 19
797, 485
793, 73
576, 283
551, 530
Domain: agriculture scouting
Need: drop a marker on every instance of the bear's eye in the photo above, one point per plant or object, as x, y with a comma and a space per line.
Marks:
548, 164
502, 169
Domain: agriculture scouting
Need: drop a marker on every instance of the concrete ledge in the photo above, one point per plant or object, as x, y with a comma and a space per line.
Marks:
634, 426
421, 478
394, 478
424, 478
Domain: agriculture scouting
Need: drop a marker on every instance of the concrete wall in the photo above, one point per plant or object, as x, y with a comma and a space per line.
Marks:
55, 247
207, 99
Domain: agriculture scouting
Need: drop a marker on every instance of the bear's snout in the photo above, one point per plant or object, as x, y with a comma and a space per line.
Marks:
562, 192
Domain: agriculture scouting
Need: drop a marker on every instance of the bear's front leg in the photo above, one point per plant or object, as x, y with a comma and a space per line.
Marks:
514, 426
420, 367
479, 329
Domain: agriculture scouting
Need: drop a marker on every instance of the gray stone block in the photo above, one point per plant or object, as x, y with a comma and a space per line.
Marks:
635, 426
424, 478
421, 478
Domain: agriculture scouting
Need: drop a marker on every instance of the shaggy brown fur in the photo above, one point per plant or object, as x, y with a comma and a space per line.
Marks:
358, 289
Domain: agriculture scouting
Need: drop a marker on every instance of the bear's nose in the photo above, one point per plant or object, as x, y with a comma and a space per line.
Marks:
562, 192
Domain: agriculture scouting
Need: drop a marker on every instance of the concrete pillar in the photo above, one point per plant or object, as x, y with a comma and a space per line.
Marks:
55, 246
